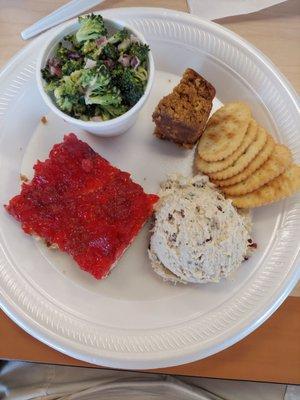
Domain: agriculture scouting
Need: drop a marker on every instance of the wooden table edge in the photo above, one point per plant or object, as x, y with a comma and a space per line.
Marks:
275, 344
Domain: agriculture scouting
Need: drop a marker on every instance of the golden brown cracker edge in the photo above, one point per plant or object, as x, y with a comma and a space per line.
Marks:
279, 188
278, 162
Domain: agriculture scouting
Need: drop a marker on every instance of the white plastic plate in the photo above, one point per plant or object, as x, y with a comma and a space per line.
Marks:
133, 319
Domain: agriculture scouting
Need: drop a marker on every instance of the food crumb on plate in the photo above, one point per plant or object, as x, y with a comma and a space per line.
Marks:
23, 178
44, 120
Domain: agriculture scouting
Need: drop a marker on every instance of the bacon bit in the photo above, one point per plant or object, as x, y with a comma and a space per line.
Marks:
54, 62
109, 63
102, 41
125, 60
73, 55
55, 71
90, 63
54, 66
44, 120
134, 62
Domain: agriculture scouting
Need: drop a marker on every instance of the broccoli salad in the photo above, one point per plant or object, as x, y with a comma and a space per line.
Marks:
96, 77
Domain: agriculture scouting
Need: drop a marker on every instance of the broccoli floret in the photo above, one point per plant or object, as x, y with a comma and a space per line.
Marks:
52, 85
96, 53
70, 42
140, 51
117, 71
119, 36
95, 79
108, 111
123, 46
110, 51
64, 102
111, 97
92, 50
87, 77
116, 74
80, 110
99, 90
68, 85
76, 75
66, 94
142, 74
71, 66
132, 87
88, 47
47, 76
61, 53
100, 112
105, 115
91, 27
116, 111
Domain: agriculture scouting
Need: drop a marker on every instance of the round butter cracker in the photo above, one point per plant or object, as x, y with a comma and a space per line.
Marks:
259, 160
224, 132
279, 188
215, 166
244, 160
277, 163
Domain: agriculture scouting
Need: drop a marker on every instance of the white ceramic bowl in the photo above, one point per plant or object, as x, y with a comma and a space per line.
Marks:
111, 127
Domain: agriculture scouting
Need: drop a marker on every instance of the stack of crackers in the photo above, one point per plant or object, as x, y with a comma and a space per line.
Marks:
245, 161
